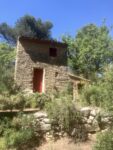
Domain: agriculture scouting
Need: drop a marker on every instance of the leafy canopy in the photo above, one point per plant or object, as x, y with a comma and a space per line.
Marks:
90, 50
26, 26
7, 58
100, 93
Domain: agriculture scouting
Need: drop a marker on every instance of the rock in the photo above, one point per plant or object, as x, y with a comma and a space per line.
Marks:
93, 113
48, 137
84, 120
74, 132
106, 114
65, 135
111, 119
95, 126
105, 123
46, 121
91, 118
92, 128
79, 134
45, 127
85, 111
105, 119
40, 115
105, 130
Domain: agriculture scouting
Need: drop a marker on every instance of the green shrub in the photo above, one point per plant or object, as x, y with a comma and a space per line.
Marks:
100, 93
22, 132
15, 138
21, 101
37, 100
12, 101
91, 95
104, 141
65, 117
2, 144
5, 123
18, 101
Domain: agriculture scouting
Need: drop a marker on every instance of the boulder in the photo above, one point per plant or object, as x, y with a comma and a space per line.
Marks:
93, 113
46, 120
45, 127
85, 111
40, 115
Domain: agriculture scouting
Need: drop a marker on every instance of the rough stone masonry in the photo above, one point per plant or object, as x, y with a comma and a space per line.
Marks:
45, 58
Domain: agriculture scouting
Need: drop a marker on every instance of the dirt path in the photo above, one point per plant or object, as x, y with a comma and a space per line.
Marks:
67, 144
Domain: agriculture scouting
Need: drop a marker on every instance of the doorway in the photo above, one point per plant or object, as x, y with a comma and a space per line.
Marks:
38, 80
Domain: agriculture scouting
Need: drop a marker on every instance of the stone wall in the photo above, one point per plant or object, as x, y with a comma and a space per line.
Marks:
93, 121
32, 54
96, 120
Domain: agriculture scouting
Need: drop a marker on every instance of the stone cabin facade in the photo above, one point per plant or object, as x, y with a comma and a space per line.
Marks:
41, 65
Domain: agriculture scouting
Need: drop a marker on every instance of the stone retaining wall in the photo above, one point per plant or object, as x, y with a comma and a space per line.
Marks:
93, 120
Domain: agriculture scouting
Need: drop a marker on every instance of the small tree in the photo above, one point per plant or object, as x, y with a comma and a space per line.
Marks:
7, 59
100, 93
90, 50
26, 26
104, 141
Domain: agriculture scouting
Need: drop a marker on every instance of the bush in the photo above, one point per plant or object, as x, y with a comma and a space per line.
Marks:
15, 138
21, 101
65, 117
37, 100
22, 132
12, 101
5, 123
100, 93
104, 141
91, 95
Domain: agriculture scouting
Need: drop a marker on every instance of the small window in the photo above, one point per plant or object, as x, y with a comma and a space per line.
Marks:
52, 52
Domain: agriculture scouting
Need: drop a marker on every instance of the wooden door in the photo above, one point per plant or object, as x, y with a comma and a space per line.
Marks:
38, 80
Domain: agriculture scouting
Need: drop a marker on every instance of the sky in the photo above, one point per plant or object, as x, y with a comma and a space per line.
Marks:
67, 16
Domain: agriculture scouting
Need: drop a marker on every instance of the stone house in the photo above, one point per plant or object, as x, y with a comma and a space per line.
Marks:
41, 65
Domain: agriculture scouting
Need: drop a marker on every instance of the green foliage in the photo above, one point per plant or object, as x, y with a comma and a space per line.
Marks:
7, 58
37, 100
104, 141
20, 131
12, 101
26, 26
2, 144
91, 95
90, 50
100, 93
4, 125
63, 113
21, 101
17, 138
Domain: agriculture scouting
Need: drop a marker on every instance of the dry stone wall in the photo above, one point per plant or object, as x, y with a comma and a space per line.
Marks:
96, 120
93, 121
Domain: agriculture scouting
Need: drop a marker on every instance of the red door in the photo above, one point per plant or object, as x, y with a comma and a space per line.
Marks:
37, 80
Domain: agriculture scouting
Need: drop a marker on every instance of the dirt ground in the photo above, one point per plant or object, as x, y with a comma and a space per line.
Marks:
67, 144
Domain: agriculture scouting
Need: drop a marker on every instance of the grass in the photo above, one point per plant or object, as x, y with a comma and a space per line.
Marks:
67, 144
2, 144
